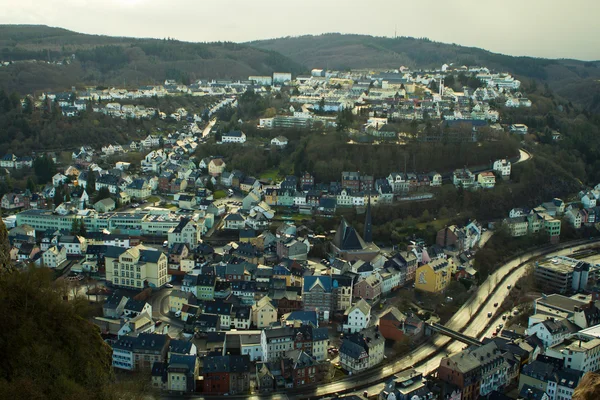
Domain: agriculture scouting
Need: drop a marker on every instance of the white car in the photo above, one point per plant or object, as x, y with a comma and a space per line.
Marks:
168, 285
178, 314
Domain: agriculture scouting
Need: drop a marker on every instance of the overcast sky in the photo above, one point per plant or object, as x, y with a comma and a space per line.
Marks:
543, 28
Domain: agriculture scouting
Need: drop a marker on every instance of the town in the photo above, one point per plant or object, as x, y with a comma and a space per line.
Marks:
216, 281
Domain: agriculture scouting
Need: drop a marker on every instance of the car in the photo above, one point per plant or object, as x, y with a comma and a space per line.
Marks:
489, 315
495, 304
500, 326
366, 394
168, 285
158, 323
178, 314
504, 318
166, 243
508, 287
494, 333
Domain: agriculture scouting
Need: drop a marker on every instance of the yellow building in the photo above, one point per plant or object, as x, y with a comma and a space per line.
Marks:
136, 268
433, 277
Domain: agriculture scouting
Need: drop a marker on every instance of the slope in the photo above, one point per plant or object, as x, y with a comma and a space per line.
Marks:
338, 51
67, 58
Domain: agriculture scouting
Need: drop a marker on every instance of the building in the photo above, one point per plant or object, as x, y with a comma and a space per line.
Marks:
394, 325
502, 168
406, 385
368, 288
317, 295
362, 350
519, 128
357, 317
229, 374
577, 353
54, 256
234, 221
139, 353
279, 141
487, 180
463, 178
139, 189
434, 276
552, 331
233, 137
182, 373
348, 245
281, 78
135, 268
104, 205
276, 342
565, 275
264, 313
187, 231
476, 371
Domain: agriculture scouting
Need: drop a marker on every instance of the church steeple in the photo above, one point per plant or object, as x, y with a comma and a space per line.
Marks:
368, 232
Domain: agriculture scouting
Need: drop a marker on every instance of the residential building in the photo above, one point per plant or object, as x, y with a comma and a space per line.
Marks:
368, 288
54, 256
229, 374
581, 354
139, 353
233, 137
264, 313
279, 141
463, 178
187, 231
552, 331
234, 221
565, 275
276, 342
357, 317
361, 351
317, 295
487, 180
182, 373
135, 268
394, 325
406, 385
434, 276
502, 168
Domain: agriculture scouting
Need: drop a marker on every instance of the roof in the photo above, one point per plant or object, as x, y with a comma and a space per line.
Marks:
361, 305
229, 363
311, 281
346, 237
306, 317
187, 362
135, 305
180, 346
393, 314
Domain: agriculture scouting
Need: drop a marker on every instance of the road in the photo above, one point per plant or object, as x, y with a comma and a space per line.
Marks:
208, 127
524, 155
470, 319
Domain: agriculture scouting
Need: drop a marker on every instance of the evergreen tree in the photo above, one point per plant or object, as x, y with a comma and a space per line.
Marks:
5, 261
31, 185
59, 196
90, 187
75, 226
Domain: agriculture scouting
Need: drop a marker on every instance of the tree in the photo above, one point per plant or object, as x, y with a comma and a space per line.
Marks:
44, 169
90, 186
102, 194
31, 185
75, 226
5, 261
39, 363
59, 196
322, 104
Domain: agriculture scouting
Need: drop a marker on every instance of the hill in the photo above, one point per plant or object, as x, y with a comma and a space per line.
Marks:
66, 58
339, 51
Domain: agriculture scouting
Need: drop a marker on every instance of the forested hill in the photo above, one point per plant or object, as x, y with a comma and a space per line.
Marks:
106, 60
575, 80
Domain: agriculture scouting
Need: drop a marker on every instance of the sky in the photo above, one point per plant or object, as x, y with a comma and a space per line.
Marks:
540, 28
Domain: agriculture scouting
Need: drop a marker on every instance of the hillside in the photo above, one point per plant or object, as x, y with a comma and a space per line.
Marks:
105, 60
338, 51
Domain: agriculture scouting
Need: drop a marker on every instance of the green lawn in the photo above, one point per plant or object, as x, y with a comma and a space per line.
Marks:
271, 174
153, 199
219, 194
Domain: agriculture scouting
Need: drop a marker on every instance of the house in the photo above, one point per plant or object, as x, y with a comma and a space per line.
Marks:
136, 268
58, 179
54, 256
177, 298
357, 317
396, 326
76, 245
216, 167
476, 371
463, 178
279, 141
11, 201
233, 137
434, 276
362, 350
105, 205
292, 249
234, 221
182, 373
578, 353
502, 168
487, 180
264, 313
113, 306
552, 331
139, 353
228, 374
407, 385
250, 346
276, 342
368, 288
186, 231
519, 128
138, 189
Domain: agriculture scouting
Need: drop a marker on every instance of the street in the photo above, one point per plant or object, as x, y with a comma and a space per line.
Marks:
470, 319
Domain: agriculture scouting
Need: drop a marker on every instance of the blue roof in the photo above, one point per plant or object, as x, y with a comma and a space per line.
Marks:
304, 316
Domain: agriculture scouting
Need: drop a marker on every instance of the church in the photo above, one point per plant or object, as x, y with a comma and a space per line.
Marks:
348, 245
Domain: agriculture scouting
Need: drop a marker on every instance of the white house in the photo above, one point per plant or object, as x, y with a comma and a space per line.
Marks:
551, 331
58, 179
357, 317
233, 137
279, 141
519, 128
73, 244
502, 167
54, 256
578, 354
234, 221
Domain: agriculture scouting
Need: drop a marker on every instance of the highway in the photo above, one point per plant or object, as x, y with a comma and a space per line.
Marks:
470, 319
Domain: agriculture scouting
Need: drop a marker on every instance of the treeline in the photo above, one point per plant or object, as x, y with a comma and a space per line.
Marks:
24, 129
